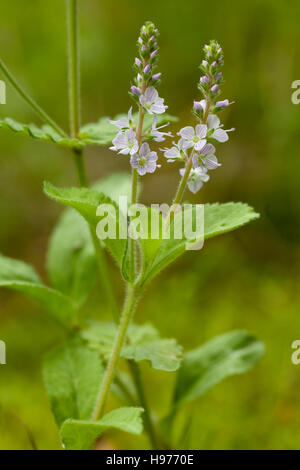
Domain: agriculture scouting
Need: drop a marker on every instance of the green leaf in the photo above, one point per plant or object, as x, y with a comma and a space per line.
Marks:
71, 258
222, 218
72, 375
145, 344
81, 435
45, 133
233, 353
86, 202
218, 219
114, 186
21, 277
102, 132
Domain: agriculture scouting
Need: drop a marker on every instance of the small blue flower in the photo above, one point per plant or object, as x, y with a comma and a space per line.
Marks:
144, 161
125, 143
152, 102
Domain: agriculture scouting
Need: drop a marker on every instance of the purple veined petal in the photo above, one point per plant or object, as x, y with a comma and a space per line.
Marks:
130, 134
213, 122
152, 157
120, 123
172, 153
158, 108
220, 135
134, 161
135, 148
151, 167
151, 94
147, 69
208, 149
141, 170
120, 141
137, 62
214, 88
187, 133
194, 186
124, 151
145, 149
201, 130
195, 161
199, 145
211, 162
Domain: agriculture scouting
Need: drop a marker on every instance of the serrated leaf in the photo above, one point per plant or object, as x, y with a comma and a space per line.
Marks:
81, 435
71, 258
232, 353
21, 277
72, 375
45, 133
218, 219
86, 202
102, 132
222, 218
144, 344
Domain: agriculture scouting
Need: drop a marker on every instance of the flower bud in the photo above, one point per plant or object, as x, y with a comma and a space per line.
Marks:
136, 91
215, 88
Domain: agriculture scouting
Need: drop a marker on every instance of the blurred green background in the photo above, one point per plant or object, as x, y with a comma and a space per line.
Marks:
248, 279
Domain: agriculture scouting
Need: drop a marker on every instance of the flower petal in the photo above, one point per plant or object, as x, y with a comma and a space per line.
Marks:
187, 133
220, 135
201, 130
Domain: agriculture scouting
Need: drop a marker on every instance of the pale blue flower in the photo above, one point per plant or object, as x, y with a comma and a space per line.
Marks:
197, 177
175, 153
206, 157
152, 102
194, 137
125, 143
145, 160
219, 134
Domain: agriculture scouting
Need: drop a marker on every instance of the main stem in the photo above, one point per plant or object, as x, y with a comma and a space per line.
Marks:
74, 68
134, 184
30, 101
78, 156
109, 376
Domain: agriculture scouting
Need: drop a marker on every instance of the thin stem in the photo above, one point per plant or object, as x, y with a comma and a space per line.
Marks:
183, 182
30, 101
135, 372
134, 185
109, 375
74, 66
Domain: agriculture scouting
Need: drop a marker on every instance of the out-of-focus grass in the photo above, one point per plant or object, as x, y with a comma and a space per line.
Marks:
248, 279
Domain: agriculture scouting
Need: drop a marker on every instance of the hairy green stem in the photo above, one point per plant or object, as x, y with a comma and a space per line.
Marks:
30, 101
129, 306
74, 65
183, 182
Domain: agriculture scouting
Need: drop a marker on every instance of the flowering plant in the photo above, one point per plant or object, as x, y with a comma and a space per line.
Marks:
81, 373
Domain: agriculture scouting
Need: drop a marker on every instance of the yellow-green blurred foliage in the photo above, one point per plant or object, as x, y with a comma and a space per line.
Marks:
248, 279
